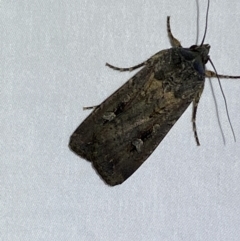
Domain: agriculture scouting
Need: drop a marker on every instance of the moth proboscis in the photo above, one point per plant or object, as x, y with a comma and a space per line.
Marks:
121, 132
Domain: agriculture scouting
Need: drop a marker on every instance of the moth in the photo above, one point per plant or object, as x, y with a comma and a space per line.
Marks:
123, 131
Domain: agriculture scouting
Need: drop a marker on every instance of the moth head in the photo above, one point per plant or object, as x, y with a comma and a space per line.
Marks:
202, 50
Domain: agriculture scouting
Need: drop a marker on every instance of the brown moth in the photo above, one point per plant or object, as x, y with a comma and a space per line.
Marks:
123, 131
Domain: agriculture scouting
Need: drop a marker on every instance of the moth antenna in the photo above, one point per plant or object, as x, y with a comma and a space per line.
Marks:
205, 31
224, 98
197, 25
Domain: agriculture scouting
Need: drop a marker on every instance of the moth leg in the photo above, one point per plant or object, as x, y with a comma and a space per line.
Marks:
194, 113
126, 69
209, 74
174, 42
90, 107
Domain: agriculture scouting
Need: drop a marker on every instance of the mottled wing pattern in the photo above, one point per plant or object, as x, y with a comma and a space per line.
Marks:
129, 125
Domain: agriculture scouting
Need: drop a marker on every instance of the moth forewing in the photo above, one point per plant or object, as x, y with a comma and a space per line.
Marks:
120, 134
